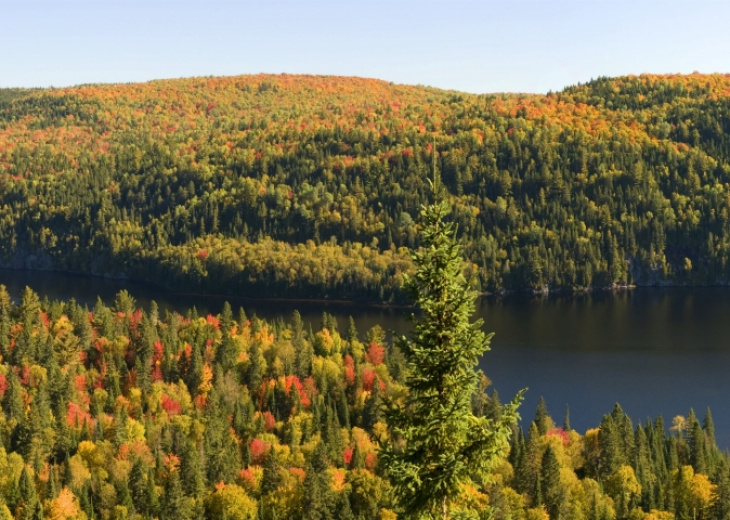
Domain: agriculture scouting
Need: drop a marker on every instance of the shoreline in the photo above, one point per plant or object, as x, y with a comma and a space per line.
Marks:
547, 291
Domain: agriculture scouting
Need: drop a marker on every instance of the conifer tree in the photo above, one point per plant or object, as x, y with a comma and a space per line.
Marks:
124, 496
28, 494
697, 444
222, 455
13, 401
550, 482
612, 456
371, 412
173, 504
713, 456
191, 473
642, 468
437, 444
272, 478
153, 502
6, 305
721, 508
320, 500
227, 353
658, 453
542, 417
343, 511
138, 486
352, 334
254, 375
708, 424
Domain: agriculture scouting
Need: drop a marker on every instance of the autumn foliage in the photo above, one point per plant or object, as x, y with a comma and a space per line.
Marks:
309, 186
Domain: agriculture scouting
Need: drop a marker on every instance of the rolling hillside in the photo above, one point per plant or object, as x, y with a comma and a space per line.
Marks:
308, 186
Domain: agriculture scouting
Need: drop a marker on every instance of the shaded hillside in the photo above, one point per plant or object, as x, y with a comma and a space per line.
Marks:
308, 186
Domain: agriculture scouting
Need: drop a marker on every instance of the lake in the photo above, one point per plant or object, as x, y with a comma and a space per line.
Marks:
654, 351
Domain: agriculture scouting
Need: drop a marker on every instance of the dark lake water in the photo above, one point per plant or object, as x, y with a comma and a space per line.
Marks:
654, 351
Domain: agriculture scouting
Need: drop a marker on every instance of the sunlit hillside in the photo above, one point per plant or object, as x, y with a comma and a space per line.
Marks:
309, 185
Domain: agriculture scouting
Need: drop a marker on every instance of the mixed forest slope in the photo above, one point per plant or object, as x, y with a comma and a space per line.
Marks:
308, 186
117, 412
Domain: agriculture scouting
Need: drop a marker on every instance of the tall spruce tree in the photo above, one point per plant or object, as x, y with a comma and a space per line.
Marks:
437, 445
550, 482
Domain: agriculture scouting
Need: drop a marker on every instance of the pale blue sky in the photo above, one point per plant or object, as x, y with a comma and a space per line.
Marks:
468, 45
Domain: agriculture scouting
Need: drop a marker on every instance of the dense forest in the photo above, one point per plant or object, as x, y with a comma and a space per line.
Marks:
117, 412
307, 186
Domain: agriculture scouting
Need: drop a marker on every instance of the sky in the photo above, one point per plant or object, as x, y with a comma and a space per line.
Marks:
478, 46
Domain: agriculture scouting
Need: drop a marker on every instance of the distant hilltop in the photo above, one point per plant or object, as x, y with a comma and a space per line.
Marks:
309, 186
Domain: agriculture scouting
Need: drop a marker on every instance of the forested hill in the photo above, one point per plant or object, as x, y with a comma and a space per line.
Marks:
309, 185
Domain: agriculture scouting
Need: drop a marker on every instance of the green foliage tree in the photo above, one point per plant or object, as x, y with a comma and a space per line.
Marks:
437, 445
28, 495
550, 482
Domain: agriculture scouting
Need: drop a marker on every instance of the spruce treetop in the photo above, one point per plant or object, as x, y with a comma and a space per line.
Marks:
437, 445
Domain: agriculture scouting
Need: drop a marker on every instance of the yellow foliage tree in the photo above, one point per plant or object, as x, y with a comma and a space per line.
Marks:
623, 487
694, 489
64, 506
232, 503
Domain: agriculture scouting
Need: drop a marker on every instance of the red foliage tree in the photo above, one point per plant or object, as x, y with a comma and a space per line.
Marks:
257, 449
375, 354
170, 405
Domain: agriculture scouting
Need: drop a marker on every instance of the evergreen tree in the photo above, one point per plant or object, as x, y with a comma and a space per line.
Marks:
227, 352
550, 482
658, 449
254, 375
332, 435
711, 451
721, 508
138, 489
222, 454
697, 445
316, 501
13, 400
6, 306
352, 334
28, 496
372, 411
86, 500
708, 424
542, 417
124, 496
493, 408
271, 478
612, 454
191, 472
173, 505
343, 510
643, 470
305, 355
438, 445
153, 504
320, 500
